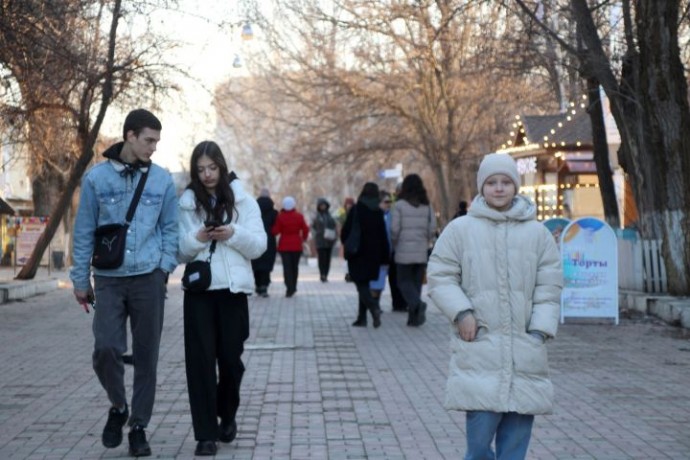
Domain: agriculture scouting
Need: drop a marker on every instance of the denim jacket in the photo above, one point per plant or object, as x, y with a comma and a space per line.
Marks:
106, 192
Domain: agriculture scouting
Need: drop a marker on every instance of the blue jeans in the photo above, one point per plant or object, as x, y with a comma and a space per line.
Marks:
511, 430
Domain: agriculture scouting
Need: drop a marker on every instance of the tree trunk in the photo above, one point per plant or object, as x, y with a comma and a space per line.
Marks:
664, 97
601, 155
442, 186
87, 138
652, 113
46, 192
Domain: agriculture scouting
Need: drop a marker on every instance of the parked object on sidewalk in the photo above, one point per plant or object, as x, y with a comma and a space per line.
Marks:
496, 275
217, 216
135, 286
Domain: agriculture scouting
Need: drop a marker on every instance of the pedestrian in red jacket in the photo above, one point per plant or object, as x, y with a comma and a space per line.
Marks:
293, 231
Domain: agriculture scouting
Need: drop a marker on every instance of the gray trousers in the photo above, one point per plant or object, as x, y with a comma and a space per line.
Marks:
140, 298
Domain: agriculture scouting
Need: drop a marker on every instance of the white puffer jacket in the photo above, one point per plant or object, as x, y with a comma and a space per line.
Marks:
506, 268
231, 266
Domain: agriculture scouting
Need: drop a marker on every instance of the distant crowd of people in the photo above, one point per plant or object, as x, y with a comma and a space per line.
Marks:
494, 272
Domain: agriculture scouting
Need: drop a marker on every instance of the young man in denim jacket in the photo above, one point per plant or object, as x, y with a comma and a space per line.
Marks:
136, 289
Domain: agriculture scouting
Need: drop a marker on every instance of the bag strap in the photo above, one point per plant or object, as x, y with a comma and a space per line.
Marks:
135, 198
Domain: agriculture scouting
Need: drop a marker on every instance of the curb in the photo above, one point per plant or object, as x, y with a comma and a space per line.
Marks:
18, 290
673, 310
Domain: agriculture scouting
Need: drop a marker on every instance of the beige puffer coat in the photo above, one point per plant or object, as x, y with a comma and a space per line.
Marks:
412, 231
506, 268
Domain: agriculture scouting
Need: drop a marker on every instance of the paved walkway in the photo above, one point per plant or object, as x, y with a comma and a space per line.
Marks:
317, 388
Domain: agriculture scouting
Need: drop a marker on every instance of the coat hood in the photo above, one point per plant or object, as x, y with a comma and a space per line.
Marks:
113, 153
323, 201
265, 204
523, 209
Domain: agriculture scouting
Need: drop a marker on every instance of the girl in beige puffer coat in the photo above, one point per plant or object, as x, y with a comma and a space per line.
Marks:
496, 274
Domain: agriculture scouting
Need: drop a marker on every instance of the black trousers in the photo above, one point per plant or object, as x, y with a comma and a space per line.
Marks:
397, 297
262, 278
410, 284
324, 255
367, 302
216, 324
290, 269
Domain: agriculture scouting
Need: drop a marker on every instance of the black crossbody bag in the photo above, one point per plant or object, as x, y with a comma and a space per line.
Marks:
197, 274
111, 239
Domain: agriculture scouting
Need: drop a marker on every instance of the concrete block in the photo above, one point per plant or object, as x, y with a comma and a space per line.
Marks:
663, 309
685, 317
640, 303
18, 290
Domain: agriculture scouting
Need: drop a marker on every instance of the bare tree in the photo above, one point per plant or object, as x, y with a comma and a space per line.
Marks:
372, 80
67, 74
649, 101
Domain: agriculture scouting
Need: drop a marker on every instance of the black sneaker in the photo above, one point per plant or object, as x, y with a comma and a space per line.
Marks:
138, 446
112, 433
206, 449
227, 432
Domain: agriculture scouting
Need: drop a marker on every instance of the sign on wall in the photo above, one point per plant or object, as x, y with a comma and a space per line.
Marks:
589, 252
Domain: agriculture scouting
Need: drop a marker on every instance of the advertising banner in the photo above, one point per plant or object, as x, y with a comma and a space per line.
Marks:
556, 226
589, 252
30, 229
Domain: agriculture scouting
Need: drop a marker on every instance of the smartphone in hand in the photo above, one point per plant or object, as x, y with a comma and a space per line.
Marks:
211, 224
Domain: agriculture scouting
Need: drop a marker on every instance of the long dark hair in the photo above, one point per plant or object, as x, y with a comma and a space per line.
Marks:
413, 190
225, 198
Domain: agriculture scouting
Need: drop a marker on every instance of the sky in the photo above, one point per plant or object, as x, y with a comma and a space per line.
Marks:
207, 54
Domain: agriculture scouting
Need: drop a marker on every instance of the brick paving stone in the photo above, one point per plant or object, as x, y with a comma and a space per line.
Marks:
317, 388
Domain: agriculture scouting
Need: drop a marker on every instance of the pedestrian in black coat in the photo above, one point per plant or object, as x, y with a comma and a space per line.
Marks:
363, 265
263, 266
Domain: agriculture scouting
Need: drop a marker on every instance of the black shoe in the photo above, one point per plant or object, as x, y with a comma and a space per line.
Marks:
359, 323
112, 433
128, 359
290, 293
264, 294
377, 320
227, 432
206, 448
421, 314
138, 446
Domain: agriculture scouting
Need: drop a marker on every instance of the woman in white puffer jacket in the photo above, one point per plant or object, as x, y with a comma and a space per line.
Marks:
215, 208
496, 274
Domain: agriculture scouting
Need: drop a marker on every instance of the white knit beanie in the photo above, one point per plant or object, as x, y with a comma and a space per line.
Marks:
497, 163
288, 203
